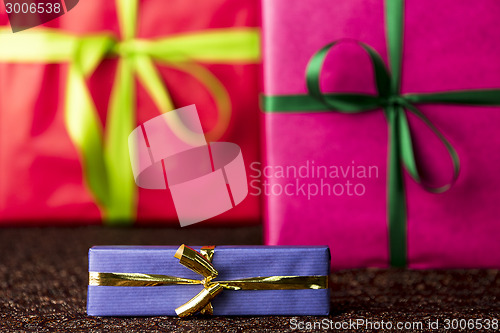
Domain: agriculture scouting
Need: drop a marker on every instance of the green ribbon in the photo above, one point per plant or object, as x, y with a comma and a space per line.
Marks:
104, 153
395, 106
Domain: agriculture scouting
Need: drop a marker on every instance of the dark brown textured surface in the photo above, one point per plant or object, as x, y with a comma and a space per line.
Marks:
43, 278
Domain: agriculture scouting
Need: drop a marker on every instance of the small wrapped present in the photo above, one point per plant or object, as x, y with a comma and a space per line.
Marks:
358, 91
74, 88
222, 280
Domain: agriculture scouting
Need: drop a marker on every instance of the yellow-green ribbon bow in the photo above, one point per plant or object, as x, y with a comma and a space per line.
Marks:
200, 262
105, 159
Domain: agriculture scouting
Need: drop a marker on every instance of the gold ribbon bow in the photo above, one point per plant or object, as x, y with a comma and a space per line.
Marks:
201, 263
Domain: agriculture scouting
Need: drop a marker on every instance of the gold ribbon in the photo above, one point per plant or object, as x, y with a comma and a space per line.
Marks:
200, 262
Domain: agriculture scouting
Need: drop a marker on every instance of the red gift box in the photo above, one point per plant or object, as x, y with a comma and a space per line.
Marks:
42, 178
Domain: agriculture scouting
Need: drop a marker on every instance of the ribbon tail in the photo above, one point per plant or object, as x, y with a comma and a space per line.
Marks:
81, 118
120, 123
199, 302
207, 310
150, 78
85, 131
406, 146
396, 192
449, 148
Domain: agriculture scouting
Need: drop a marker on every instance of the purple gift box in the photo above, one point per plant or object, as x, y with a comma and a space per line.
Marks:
231, 262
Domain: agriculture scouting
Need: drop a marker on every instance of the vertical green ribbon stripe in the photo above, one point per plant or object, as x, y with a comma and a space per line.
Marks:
120, 122
396, 116
395, 106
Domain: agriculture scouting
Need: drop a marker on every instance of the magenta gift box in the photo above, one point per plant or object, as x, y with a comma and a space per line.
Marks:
326, 173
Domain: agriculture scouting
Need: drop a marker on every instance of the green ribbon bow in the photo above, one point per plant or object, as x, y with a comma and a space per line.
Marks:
106, 164
395, 106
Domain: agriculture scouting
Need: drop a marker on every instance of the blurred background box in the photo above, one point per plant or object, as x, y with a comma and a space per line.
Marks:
42, 178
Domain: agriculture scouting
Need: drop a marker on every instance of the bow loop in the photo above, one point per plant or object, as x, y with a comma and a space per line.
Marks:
193, 260
349, 103
130, 48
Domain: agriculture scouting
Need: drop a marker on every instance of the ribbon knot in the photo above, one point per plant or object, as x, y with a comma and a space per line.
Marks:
127, 48
396, 100
200, 263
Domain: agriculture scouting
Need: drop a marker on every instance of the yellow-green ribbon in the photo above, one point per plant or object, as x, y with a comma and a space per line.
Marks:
104, 153
201, 263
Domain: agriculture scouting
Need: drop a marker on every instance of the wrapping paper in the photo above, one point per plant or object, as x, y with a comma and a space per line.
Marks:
232, 262
442, 51
41, 176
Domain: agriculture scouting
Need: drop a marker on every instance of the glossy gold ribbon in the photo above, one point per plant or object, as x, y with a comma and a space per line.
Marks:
200, 262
